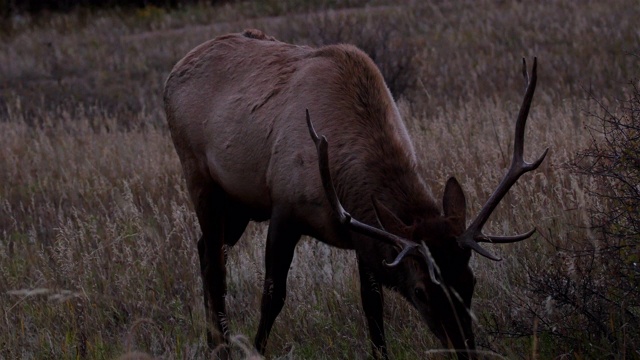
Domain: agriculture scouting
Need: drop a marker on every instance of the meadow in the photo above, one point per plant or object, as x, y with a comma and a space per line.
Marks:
98, 253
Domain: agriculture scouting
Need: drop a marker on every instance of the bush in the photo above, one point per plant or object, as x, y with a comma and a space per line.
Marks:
596, 287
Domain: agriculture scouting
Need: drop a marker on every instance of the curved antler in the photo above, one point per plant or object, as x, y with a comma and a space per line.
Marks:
473, 235
343, 216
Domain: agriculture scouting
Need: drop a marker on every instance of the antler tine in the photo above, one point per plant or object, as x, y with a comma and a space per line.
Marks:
404, 252
473, 235
343, 216
506, 239
524, 72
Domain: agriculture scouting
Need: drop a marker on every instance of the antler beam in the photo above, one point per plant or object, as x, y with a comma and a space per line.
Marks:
343, 216
473, 235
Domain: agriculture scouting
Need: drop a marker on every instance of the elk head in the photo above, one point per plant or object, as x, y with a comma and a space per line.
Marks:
434, 252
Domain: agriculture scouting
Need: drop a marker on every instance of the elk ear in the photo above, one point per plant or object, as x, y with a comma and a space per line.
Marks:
454, 204
389, 221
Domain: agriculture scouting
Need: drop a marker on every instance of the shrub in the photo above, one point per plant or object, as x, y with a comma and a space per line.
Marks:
595, 286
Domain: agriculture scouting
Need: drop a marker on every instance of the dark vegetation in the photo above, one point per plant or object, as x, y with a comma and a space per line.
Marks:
37, 7
97, 243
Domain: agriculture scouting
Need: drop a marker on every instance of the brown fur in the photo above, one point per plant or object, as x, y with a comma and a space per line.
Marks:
235, 107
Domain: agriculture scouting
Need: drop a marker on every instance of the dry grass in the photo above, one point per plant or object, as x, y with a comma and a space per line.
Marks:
97, 237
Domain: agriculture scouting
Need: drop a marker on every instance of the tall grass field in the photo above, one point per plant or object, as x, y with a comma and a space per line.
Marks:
98, 255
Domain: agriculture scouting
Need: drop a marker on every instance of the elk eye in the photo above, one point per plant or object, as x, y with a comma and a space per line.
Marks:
421, 294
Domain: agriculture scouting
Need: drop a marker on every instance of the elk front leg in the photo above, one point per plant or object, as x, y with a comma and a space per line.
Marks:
281, 242
372, 304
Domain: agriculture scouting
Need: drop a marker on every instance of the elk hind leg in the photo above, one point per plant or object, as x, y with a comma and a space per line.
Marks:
208, 203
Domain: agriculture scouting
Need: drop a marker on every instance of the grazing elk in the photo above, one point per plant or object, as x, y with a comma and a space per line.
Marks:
234, 106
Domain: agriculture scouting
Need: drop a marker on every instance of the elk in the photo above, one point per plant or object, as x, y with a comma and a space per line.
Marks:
235, 106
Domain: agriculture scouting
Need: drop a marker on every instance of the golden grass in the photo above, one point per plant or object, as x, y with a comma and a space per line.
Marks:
97, 236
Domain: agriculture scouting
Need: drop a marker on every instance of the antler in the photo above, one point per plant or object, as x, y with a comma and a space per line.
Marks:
473, 235
344, 217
